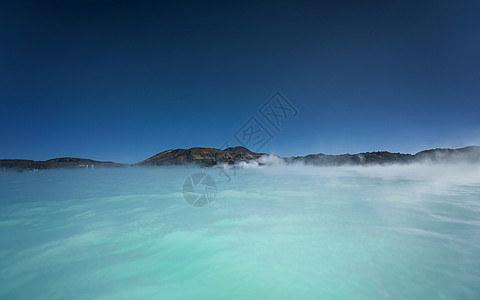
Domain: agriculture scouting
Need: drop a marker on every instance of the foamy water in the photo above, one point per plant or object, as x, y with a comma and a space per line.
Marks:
403, 232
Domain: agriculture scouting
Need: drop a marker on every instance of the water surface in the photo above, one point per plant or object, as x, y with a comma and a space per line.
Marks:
408, 232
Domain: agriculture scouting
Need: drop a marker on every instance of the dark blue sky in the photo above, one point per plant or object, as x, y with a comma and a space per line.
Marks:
123, 80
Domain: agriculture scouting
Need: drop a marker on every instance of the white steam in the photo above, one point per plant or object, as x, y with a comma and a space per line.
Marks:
451, 173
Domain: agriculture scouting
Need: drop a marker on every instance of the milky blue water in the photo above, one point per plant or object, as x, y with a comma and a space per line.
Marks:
271, 233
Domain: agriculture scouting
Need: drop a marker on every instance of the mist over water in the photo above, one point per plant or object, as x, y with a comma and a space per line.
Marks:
280, 231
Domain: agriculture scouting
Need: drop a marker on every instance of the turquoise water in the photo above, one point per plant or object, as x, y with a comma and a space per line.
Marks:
273, 233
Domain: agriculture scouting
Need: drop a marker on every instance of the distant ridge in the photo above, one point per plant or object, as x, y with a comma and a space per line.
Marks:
209, 157
466, 154
205, 157
54, 163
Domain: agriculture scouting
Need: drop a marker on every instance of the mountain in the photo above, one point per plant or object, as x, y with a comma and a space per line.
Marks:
466, 154
209, 157
55, 163
205, 157
353, 159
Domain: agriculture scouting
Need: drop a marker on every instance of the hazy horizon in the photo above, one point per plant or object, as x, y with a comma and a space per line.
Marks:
131, 163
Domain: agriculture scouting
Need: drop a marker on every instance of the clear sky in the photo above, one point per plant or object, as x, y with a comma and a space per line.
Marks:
124, 80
